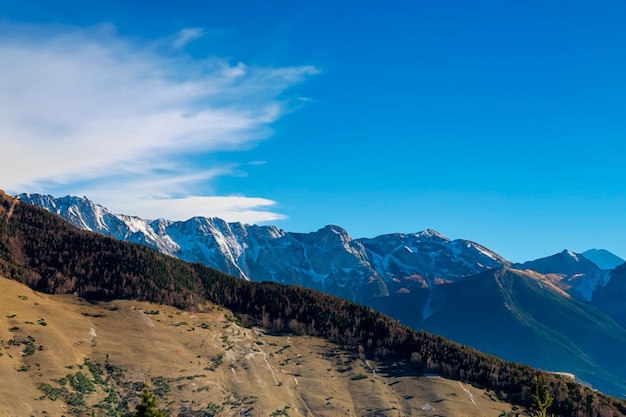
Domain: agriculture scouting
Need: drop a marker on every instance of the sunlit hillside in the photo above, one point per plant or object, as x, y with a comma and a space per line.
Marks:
63, 355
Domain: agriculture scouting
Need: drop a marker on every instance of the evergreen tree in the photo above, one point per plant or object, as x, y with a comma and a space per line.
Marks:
148, 405
543, 397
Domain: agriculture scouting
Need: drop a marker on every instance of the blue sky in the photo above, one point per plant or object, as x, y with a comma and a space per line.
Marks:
495, 121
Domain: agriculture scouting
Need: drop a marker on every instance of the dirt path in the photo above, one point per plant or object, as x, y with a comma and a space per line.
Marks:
147, 319
471, 396
271, 370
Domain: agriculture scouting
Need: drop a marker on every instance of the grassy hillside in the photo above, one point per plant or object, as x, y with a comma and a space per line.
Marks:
42, 251
198, 363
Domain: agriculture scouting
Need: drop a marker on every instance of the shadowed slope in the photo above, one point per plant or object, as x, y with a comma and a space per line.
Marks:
522, 316
612, 298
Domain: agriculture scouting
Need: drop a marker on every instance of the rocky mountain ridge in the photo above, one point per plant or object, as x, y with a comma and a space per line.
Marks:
328, 259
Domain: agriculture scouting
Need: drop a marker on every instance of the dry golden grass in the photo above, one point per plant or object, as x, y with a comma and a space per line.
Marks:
206, 361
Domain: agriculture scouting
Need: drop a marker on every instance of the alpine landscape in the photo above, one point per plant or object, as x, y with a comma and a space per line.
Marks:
552, 313
234, 336
315, 209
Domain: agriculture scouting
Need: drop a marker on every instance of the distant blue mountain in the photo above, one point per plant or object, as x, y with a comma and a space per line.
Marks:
603, 258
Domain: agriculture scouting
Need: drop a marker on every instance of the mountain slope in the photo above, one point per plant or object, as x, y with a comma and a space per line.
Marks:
328, 260
39, 249
522, 316
610, 298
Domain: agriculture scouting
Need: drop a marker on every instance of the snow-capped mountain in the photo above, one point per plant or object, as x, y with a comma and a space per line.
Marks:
328, 259
572, 272
427, 258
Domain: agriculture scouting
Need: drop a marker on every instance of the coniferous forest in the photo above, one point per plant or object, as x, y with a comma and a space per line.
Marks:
44, 252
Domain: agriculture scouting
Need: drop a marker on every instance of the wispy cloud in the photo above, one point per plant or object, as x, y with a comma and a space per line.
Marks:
184, 36
88, 111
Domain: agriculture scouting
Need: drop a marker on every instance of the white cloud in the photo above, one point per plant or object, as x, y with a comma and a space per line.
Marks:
83, 109
149, 201
184, 36
229, 208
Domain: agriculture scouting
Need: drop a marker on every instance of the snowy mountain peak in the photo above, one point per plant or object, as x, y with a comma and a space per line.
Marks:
431, 233
79, 211
571, 254
332, 232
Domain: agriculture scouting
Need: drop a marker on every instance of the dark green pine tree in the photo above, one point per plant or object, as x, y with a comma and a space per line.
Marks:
148, 405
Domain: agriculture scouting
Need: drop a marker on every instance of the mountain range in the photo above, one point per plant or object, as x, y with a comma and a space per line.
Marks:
49, 255
561, 313
328, 260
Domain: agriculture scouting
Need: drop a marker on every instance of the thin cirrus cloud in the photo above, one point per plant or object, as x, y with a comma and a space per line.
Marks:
93, 113
187, 35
